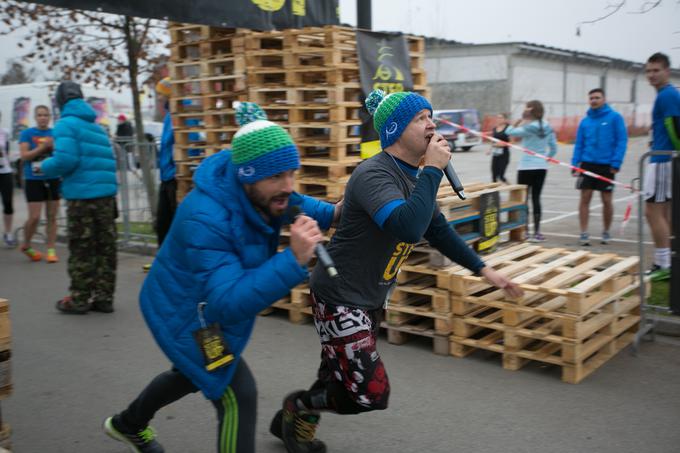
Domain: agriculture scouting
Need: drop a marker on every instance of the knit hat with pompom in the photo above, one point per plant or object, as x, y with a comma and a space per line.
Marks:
260, 148
392, 113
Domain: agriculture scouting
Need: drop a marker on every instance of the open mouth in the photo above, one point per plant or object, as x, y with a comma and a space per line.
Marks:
279, 203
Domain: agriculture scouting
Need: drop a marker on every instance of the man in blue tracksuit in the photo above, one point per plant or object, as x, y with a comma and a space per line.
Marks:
167, 194
84, 159
217, 269
600, 147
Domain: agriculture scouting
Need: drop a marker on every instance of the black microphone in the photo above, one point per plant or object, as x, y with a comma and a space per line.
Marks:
321, 253
454, 181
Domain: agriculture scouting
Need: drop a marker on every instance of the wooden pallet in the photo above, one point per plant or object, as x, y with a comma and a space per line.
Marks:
422, 328
321, 188
330, 170
308, 95
579, 344
317, 149
585, 280
319, 114
296, 314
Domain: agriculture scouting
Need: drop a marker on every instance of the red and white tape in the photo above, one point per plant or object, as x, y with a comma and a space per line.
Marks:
629, 207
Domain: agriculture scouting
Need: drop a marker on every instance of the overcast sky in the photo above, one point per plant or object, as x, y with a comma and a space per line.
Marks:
548, 22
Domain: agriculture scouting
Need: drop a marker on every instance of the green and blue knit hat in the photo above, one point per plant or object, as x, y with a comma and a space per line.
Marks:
392, 113
260, 148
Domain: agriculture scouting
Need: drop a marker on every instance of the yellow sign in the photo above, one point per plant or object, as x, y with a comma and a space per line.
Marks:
270, 5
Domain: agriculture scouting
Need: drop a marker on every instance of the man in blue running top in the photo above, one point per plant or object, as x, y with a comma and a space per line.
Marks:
657, 184
389, 206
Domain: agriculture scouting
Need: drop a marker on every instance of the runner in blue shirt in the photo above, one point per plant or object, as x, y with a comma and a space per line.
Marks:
657, 185
35, 145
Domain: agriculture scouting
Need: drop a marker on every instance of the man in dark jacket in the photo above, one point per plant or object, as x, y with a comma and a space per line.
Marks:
83, 158
600, 147
217, 269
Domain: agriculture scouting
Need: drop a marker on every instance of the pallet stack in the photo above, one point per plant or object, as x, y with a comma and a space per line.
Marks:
208, 73
5, 369
578, 311
307, 80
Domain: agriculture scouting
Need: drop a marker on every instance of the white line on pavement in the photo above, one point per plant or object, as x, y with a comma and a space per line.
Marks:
572, 213
566, 235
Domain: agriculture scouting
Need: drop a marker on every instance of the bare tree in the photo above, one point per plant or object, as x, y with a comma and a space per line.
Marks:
95, 48
17, 73
613, 8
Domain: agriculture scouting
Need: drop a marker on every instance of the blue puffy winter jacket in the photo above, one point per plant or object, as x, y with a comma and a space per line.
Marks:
601, 138
219, 250
83, 156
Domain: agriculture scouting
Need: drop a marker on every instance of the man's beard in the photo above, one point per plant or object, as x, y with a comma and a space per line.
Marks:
263, 204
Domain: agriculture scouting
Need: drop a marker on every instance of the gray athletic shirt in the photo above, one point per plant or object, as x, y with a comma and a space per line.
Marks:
366, 257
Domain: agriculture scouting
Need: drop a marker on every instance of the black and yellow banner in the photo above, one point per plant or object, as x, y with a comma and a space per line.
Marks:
384, 64
254, 14
489, 221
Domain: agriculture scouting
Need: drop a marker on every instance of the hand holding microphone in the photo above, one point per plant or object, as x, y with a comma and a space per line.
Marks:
305, 241
438, 154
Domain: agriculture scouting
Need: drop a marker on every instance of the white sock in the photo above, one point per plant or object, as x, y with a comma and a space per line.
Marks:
662, 257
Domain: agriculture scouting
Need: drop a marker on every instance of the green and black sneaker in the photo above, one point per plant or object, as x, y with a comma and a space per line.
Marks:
657, 273
143, 441
298, 427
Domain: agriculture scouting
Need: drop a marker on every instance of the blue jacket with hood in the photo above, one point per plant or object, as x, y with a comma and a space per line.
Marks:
219, 250
537, 136
601, 138
83, 156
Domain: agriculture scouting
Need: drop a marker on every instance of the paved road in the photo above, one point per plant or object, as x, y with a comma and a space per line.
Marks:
70, 372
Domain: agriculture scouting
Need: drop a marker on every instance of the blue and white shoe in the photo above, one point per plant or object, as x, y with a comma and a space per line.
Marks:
584, 239
606, 237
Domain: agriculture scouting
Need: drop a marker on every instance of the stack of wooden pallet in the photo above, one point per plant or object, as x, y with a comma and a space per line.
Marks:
578, 311
307, 80
208, 73
5, 369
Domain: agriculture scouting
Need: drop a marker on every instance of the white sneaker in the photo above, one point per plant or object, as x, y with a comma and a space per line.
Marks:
10, 240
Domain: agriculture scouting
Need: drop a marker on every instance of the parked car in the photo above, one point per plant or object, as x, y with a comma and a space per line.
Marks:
456, 138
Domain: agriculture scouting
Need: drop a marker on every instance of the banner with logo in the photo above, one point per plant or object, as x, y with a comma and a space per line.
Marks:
489, 221
21, 116
383, 64
255, 14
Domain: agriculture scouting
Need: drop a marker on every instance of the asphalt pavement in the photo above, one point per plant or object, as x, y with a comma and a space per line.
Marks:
70, 372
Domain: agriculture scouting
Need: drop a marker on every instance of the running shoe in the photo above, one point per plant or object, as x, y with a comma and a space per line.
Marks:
298, 427
67, 306
31, 253
10, 240
143, 441
657, 273
606, 237
584, 239
538, 237
52, 256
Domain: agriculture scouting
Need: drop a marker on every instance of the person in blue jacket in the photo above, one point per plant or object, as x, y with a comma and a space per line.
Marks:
600, 147
218, 268
539, 137
167, 194
84, 159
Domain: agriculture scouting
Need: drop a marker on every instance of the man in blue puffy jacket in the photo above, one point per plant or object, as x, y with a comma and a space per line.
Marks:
217, 269
600, 146
84, 159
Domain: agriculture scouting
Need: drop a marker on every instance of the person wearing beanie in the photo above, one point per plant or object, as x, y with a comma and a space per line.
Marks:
389, 206
217, 269
84, 159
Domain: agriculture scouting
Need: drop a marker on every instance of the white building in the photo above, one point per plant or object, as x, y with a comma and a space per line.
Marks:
502, 77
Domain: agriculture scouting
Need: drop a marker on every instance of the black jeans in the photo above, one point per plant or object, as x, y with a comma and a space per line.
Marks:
167, 205
236, 410
534, 179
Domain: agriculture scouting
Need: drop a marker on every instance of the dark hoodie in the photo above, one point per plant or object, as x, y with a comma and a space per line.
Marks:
66, 91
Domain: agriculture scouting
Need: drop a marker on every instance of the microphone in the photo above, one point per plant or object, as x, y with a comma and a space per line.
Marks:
321, 253
454, 181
